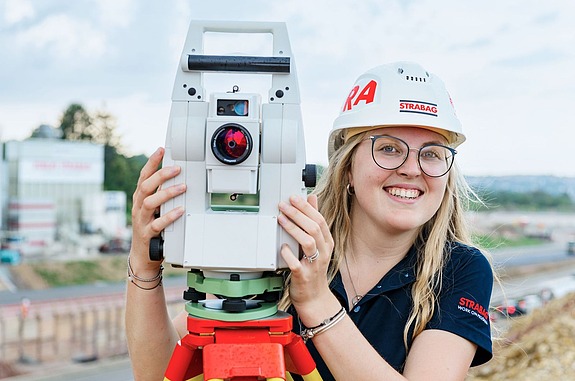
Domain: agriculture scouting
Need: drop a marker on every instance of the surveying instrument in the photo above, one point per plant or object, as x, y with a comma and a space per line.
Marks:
239, 158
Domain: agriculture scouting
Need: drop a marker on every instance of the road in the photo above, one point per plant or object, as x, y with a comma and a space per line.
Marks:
119, 370
531, 255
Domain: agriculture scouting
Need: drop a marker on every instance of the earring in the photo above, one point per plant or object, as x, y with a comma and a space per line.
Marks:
350, 190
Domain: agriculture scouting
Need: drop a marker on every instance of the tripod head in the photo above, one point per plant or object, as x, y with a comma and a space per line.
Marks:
240, 154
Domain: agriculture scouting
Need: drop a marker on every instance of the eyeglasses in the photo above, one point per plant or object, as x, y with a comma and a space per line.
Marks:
389, 152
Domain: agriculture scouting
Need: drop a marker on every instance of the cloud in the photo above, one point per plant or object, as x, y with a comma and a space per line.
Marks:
63, 39
115, 13
16, 11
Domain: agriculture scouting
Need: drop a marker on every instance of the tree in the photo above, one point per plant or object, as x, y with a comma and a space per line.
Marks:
76, 123
104, 131
120, 172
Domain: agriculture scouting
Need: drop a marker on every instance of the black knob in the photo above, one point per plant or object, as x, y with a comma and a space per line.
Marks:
156, 249
309, 175
193, 295
234, 305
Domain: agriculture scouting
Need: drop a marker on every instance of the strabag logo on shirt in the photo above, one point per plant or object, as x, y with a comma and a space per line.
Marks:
418, 107
473, 308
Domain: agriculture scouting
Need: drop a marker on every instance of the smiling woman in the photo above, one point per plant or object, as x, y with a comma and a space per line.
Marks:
402, 261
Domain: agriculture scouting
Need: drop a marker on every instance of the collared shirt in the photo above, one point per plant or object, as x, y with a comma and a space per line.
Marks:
381, 315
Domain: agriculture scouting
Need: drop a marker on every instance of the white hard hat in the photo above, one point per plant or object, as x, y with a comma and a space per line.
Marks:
396, 94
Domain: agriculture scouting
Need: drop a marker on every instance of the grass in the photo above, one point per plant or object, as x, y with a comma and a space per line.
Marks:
498, 242
38, 275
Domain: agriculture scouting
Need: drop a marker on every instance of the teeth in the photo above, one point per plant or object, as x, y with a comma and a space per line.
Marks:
403, 193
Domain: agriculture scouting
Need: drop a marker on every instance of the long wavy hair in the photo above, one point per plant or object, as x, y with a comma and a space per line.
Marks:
447, 225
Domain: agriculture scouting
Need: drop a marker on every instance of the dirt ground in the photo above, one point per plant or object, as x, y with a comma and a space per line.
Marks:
539, 346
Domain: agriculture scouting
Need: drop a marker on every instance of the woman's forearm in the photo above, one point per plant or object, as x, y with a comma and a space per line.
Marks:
151, 336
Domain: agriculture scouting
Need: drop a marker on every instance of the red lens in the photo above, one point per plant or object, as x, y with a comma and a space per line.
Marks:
235, 143
231, 144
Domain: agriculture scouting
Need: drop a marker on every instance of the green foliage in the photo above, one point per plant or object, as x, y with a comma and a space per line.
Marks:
76, 123
497, 242
80, 272
120, 172
527, 201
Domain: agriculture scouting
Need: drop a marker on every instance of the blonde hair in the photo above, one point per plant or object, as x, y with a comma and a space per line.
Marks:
446, 226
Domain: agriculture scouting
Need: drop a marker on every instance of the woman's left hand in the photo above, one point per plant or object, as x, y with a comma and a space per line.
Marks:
302, 220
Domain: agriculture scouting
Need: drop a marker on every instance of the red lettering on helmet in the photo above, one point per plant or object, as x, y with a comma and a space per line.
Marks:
352, 93
367, 95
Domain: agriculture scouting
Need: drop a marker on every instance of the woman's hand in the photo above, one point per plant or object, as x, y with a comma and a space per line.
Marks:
309, 288
147, 198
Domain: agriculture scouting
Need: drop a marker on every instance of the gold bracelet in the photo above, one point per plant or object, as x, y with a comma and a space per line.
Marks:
310, 333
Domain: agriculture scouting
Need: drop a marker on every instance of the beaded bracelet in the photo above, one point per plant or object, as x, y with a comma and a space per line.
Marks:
310, 333
132, 277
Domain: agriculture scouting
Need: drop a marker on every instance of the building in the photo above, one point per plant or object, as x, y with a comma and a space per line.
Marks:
44, 184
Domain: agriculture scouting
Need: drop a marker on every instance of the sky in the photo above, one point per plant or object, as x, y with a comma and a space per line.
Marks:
508, 65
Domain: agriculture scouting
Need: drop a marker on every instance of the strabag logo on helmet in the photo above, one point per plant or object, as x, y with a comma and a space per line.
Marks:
418, 107
367, 94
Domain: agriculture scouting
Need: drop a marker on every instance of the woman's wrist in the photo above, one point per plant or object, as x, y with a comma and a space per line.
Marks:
142, 264
145, 279
310, 333
314, 313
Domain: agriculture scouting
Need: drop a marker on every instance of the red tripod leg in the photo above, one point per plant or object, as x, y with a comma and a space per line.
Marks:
301, 359
186, 362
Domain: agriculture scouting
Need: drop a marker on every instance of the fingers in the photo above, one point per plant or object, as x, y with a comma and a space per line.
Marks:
302, 220
160, 223
151, 193
151, 165
151, 179
291, 260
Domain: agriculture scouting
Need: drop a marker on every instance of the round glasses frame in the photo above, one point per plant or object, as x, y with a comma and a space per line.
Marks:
449, 159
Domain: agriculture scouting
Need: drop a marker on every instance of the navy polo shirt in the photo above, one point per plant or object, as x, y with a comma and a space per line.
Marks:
381, 314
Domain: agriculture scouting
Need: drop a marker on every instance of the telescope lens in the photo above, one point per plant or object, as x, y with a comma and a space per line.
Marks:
231, 144
241, 108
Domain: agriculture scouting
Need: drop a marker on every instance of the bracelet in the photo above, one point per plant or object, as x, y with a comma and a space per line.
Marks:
147, 288
310, 333
132, 277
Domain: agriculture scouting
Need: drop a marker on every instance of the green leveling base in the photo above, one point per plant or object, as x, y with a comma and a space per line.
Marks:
234, 289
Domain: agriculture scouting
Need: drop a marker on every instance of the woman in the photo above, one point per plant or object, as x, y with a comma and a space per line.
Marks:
389, 286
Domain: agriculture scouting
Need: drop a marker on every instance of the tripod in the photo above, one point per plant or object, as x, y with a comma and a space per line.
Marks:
234, 343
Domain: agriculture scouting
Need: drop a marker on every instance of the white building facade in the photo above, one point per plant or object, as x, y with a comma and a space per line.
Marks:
47, 179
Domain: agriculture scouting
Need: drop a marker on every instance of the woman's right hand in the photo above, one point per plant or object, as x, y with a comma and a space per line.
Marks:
147, 198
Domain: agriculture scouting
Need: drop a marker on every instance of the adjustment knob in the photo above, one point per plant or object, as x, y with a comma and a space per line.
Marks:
156, 249
309, 175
